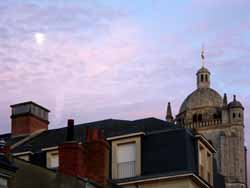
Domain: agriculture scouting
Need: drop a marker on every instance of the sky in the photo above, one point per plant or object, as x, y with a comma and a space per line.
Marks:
122, 59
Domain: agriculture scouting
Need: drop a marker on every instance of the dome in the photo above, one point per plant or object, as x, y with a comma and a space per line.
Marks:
202, 97
235, 104
202, 70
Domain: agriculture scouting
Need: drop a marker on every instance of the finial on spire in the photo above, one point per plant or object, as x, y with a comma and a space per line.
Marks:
169, 116
234, 97
203, 56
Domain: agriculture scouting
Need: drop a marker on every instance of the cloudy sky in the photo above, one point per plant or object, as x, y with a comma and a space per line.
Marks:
97, 59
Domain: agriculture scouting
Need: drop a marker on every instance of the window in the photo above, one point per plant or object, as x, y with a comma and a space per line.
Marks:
194, 118
126, 157
209, 168
205, 163
24, 157
215, 116
201, 161
202, 78
234, 115
199, 118
206, 78
3, 182
239, 115
52, 159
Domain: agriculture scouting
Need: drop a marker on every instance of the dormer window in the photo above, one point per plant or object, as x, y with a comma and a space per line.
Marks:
126, 155
24, 157
52, 159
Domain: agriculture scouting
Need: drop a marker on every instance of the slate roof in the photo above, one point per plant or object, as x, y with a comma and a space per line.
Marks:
111, 127
9, 140
166, 147
6, 164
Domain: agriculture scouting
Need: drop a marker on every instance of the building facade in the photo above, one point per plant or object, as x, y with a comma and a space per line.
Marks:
210, 114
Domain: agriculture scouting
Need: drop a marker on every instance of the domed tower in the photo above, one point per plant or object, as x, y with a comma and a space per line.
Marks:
223, 124
236, 112
203, 105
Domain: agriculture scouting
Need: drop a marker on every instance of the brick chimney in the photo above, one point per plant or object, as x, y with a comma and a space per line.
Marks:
27, 118
88, 160
72, 155
97, 155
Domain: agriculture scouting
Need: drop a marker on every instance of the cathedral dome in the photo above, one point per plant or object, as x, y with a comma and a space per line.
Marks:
202, 97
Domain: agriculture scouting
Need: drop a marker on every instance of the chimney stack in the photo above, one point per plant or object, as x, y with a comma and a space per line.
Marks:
97, 155
72, 155
89, 160
27, 118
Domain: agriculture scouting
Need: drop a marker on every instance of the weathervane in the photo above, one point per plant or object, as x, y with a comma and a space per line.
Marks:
203, 56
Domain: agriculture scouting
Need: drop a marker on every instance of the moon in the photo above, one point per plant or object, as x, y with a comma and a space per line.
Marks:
39, 38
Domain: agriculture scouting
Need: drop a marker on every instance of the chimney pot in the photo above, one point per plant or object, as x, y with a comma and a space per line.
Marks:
70, 130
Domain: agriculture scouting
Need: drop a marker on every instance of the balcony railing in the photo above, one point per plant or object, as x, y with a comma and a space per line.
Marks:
126, 169
203, 124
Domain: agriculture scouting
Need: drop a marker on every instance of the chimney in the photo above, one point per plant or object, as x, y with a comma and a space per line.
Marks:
89, 160
70, 130
97, 155
27, 118
72, 155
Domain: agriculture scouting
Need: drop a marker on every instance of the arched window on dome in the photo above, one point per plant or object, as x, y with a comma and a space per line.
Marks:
215, 116
206, 78
199, 118
202, 78
234, 115
219, 115
194, 118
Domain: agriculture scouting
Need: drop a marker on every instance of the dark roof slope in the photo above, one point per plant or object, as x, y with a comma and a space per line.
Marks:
111, 127
6, 164
169, 151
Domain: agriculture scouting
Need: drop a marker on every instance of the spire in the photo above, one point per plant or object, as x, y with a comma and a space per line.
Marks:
169, 116
225, 100
203, 74
203, 56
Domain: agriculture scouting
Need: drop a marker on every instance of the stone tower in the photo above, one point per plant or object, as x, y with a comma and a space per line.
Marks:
220, 122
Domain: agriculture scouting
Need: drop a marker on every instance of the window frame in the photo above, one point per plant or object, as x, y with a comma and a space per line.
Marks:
49, 155
115, 144
208, 164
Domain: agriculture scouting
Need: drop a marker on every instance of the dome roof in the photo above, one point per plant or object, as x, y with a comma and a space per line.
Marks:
235, 104
203, 70
202, 97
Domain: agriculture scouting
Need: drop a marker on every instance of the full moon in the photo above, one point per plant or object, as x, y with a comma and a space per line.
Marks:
39, 38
